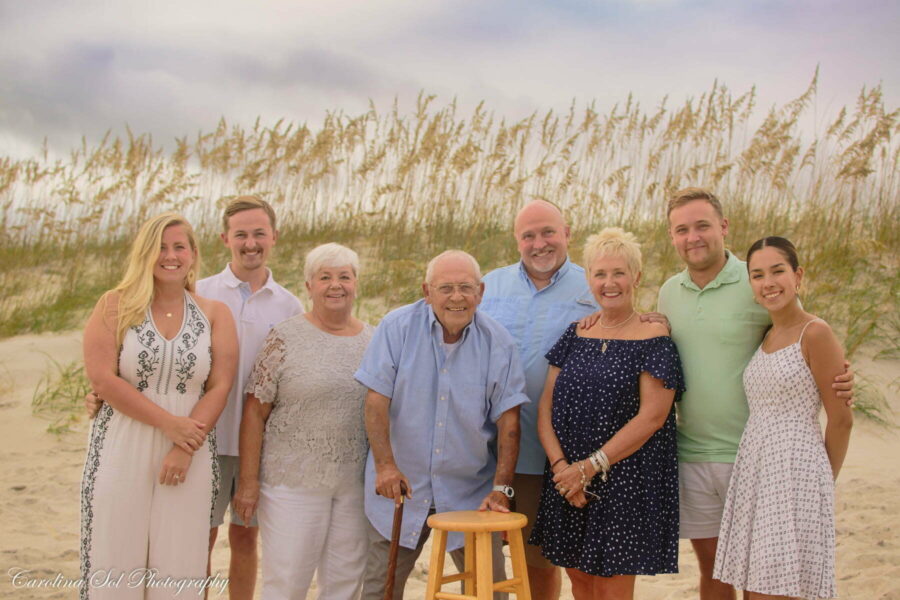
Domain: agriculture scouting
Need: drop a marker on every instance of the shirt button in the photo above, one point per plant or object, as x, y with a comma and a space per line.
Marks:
438, 451
440, 424
443, 370
443, 397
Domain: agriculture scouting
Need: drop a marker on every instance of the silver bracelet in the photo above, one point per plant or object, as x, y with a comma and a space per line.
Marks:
601, 464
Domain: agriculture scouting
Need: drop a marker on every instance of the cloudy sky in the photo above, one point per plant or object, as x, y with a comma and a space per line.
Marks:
171, 68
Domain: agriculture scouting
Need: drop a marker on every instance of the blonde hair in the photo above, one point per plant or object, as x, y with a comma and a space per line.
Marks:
682, 197
613, 241
329, 255
242, 203
135, 290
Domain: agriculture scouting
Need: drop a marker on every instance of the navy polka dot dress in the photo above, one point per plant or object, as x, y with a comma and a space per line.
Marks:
633, 528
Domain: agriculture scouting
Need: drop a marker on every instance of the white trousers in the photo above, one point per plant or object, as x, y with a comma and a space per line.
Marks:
306, 531
141, 540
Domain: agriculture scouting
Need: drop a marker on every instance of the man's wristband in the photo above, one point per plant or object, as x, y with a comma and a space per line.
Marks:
505, 490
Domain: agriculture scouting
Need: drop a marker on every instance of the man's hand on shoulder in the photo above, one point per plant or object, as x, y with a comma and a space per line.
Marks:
656, 317
589, 321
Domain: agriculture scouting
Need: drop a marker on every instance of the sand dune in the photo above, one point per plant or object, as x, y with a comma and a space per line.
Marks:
39, 495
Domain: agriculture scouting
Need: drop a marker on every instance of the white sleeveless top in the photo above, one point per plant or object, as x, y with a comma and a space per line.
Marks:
160, 367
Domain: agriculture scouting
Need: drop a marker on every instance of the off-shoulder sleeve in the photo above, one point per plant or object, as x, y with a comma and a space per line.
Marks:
661, 360
266, 373
560, 350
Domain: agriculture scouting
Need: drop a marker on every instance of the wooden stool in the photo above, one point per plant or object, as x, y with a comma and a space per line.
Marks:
478, 575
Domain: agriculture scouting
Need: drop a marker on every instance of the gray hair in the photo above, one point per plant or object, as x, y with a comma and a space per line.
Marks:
329, 255
429, 270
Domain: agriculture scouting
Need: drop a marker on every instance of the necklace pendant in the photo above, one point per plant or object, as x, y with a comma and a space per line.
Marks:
169, 315
603, 348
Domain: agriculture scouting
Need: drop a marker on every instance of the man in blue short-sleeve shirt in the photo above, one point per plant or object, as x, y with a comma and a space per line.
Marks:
536, 299
442, 416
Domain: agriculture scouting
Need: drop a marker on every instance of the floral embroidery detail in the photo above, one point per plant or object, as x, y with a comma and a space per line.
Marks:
91, 465
216, 474
148, 360
185, 359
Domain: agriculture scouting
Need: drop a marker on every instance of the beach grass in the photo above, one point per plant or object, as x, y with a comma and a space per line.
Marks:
402, 187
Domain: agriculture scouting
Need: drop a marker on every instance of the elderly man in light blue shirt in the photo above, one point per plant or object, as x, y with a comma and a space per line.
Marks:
536, 299
442, 416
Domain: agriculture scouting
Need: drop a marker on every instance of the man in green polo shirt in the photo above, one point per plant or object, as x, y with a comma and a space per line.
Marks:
717, 328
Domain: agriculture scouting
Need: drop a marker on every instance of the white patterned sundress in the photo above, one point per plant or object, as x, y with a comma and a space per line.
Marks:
141, 539
777, 533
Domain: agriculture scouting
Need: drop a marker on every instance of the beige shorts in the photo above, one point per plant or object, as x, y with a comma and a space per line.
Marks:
528, 496
702, 487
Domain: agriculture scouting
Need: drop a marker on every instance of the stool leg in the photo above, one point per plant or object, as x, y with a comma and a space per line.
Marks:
519, 566
469, 587
484, 568
436, 567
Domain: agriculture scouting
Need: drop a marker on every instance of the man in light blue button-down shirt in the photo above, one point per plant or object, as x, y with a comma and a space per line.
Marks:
442, 415
536, 299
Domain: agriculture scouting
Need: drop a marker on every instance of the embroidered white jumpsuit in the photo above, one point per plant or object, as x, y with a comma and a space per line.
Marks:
139, 538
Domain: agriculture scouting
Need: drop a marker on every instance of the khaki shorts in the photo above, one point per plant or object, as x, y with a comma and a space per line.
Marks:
528, 496
228, 478
702, 487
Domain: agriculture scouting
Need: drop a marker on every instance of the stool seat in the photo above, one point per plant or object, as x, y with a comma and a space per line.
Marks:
477, 525
474, 521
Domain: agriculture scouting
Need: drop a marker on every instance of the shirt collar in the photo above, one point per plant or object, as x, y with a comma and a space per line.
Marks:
730, 273
438, 330
560, 272
232, 281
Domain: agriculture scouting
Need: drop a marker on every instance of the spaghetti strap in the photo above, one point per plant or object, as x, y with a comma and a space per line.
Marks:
802, 331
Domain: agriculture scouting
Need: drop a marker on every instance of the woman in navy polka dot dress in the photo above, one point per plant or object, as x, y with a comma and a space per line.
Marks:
607, 421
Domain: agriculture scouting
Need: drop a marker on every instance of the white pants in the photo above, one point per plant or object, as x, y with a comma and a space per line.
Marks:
305, 531
141, 540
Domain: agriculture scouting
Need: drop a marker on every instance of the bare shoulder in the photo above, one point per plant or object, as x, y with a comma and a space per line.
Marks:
820, 342
818, 334
110, 300
650, 329
107, 306
213, 309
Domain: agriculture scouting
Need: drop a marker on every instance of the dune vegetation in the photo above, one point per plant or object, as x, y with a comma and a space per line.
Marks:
401, 187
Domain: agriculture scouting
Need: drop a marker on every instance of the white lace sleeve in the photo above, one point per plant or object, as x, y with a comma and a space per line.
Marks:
266, 373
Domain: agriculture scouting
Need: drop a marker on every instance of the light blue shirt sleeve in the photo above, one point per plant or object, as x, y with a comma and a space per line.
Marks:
378, 368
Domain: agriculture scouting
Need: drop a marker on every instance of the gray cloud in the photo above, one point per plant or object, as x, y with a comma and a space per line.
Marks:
172, 68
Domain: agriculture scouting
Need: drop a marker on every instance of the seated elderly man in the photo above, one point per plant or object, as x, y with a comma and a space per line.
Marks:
442, 416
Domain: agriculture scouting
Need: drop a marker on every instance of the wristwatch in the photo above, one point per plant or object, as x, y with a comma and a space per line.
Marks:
505, 490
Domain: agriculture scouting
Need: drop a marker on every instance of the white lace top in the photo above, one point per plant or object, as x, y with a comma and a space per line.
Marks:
315, 436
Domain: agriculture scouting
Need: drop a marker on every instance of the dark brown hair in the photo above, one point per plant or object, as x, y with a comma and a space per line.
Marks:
783, 245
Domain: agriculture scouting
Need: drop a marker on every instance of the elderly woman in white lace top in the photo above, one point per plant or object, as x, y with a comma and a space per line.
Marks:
303, 439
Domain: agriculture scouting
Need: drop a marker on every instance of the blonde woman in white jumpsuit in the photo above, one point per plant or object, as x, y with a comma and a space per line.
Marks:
163, 361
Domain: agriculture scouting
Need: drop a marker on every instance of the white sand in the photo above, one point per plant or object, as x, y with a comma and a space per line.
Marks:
41, 474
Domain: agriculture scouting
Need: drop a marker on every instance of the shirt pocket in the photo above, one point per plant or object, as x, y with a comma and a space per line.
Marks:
741, 328
509, 312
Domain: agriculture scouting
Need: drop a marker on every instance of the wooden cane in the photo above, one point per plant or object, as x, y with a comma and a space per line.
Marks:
395, 545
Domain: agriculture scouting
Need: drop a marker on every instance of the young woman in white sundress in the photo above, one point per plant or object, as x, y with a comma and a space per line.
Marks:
777, 533
162, 360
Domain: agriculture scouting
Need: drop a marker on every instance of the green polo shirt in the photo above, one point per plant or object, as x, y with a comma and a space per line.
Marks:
717, 330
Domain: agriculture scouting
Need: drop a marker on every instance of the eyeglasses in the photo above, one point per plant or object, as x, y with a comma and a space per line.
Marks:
447, 289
